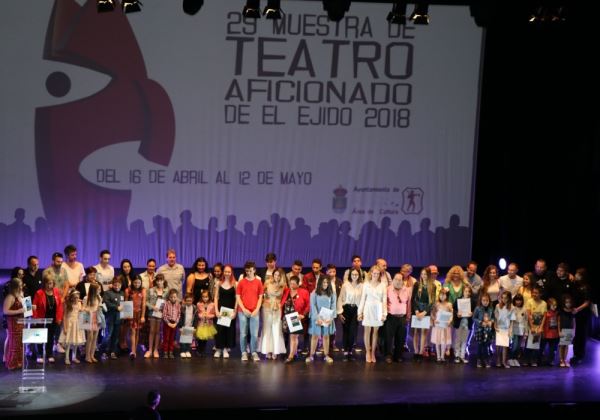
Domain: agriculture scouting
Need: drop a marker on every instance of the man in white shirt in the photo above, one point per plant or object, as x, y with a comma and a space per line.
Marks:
174, 273
105, 271
511, 281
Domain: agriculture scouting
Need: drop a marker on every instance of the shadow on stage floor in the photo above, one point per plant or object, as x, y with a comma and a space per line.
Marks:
202, 385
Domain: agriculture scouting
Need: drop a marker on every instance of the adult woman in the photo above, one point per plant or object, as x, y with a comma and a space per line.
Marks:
48, 304
225, 298
372, 310
13, 310
199, 280
271, 341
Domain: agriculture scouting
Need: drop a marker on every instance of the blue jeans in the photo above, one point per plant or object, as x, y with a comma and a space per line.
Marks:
245, 322
515, 346
113, 324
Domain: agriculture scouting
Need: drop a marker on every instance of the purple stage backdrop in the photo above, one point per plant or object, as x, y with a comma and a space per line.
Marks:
229, 138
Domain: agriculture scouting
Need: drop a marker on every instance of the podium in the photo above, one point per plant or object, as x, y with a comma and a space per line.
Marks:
33, 379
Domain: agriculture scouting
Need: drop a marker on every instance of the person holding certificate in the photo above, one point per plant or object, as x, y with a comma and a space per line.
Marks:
226, 306
155, 300
322, 315
504, 315
423, 297
441, 333
13, 310
483, 318
462, 324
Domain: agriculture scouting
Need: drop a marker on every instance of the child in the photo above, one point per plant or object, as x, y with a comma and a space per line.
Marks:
462, 327
91, 305
137, 294
171, 314
550, 331
519, 329
483, 318
504, 316
441, 333
113, 299
155, 314
566, 320
187, 320
536, 312
206, 315
71, 335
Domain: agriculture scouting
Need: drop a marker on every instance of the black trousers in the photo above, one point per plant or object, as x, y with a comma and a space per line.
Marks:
53, 329
395, 335
581, 330
350, 326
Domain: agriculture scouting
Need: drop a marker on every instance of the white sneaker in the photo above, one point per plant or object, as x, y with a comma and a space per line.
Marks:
188, 354
255, 357
516, 363
225, 354
182, 355
217, 354
244, 357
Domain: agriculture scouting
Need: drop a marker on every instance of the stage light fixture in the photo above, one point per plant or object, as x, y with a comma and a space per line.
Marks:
191, 7
502, 263
252, 9
105, 5
336, 9
398, 13
273, 9
420, 16
131, 6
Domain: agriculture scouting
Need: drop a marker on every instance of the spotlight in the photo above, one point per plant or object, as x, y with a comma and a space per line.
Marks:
273, 9
398, 13
420, 16
105, 5
336, 9
191, 7
502, 263
252, 9
131, 6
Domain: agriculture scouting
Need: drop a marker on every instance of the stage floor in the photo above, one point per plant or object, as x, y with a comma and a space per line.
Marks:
204, 384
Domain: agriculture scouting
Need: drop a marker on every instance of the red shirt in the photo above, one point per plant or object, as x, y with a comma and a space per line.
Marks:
249, 292
551, 324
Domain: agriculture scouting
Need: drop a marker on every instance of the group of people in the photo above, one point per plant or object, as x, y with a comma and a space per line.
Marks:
96, 311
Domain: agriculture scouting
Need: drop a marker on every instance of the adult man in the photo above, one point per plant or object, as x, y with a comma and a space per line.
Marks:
296, 271
104, 271
511, 281
357, 265
382, 265
473, 279
33, 280
74, 268
174, 272
56, 271
545, 280
271, 261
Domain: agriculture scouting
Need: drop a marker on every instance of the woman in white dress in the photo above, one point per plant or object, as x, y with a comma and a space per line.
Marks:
271, 342
372, 310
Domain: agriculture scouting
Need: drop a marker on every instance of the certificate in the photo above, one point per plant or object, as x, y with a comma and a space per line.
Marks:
443, 319
226, 316
464, 307
518, 328
325, 314
35, 335
566, 336
502, 338
533, 341
127, 309
160, 303
423, 323
293, 322
186, 336
28, 307
85, 321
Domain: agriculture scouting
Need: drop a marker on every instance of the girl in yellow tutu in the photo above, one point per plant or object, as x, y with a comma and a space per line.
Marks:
205, 327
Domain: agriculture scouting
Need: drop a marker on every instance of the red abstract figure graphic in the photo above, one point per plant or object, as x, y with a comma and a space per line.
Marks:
131, 107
